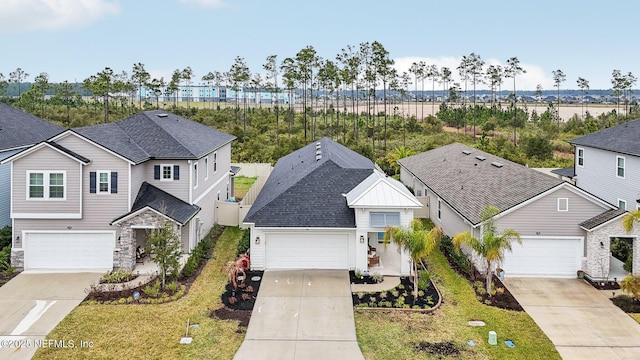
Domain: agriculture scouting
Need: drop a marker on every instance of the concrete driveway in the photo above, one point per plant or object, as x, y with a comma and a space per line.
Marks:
580, 321
33, 304
302, 314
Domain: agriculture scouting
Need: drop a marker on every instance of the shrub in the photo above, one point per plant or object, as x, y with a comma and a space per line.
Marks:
152, 289
5, 237
118, 276
424, 280
377, 277
5, 260
460, 261
172, 286
243, 244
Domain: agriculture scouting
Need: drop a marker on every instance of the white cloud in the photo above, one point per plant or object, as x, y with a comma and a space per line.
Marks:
528, 81
29, 15
205, 3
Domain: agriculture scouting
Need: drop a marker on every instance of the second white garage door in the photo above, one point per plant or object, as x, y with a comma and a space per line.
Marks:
69, 250
538, 256
307, 251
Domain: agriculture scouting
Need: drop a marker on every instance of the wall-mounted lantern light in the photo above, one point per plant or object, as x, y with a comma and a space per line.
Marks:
257, 240
361, 239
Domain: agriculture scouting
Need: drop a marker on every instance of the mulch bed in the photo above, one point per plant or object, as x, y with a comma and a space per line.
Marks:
405, 290
245, 295
602, 285
224, 313
365, 279
5, 278
627, 303
442, 348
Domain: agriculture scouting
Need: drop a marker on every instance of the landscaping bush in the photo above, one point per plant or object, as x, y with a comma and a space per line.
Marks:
243, 244
5, 237
459, 261
200, 252
118, 276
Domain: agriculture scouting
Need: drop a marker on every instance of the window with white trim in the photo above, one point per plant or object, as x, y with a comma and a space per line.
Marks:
383, 219
195, 175
439, 209
622, 204
46, 185
103, 182
206, 168
167, 172
580, 156
215, 162
620, 166
563, 204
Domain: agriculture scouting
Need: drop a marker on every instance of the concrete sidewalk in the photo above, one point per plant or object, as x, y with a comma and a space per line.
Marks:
581, 322
302, 314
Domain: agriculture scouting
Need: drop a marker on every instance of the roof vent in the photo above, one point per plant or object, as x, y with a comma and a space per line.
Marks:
497, 164
481, 158
163, 115
318, 156
466, 152
318, 152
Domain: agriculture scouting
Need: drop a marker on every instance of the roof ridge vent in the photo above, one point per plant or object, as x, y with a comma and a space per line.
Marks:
466, 152
497, 164
481, 158
318, 156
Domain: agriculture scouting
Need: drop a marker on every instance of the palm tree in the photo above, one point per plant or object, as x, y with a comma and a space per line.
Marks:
416, 240
630, 219
492, 245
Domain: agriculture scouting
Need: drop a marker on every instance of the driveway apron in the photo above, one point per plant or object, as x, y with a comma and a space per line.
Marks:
302, 314
581, 322
33, 304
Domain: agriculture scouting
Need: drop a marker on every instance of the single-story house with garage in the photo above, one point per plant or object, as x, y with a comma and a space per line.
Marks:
325, 206
563, 228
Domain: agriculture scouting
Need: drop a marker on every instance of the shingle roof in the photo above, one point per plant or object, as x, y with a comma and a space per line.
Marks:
304, 192
69, 152
601, 219
622, 138
156, 135
18, 129
569, 172
468, 184
162, 202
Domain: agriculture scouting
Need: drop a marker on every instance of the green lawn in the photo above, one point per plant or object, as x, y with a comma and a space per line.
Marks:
242, 185
154, 331
392, 334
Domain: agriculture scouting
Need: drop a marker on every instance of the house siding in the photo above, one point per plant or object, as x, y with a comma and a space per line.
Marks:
5, 189
223, 167
47, 159
542, 218
598, 176
178, 188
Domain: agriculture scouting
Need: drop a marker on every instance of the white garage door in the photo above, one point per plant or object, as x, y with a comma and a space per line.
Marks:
553, 257
307, 251
69, 250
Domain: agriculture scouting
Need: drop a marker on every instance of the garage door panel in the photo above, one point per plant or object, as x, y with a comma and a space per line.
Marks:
68, 250
544, 257
307, 251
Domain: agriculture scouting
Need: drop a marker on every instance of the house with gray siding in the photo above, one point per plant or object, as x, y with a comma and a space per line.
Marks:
86, 198
18, 130
563, 228
607, 164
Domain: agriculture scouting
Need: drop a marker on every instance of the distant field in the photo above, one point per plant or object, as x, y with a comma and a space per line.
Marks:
242, 185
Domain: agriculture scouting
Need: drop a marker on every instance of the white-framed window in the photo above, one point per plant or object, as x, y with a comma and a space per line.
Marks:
166, 173
383, 219
620, 166
563, 204
580, 156
104, 185
215, 162
439, 209
195, 175
228, 190
622, 204
218, 195
206, 168
46, 185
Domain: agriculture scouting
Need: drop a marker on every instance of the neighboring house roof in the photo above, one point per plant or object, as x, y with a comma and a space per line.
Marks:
458, 176
151, 197
48, 144
306, 188
622, 138
569, 172
156, 135
381, 190
19, 129
601, 219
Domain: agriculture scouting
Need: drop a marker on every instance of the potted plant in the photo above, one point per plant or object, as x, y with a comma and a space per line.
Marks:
580, 274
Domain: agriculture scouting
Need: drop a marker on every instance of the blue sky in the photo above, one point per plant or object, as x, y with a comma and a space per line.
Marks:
73, 39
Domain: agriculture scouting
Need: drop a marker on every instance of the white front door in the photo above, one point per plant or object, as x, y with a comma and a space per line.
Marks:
307, 251
69, 250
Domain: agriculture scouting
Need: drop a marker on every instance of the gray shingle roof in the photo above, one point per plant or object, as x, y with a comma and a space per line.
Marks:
566, 172
162, 202
601, 218
622, 138
156, 135
302, 191
69, 152
469, 185
18, 129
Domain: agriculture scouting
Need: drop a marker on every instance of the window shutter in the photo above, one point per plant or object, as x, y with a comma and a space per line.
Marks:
114, 182
176, 172
156, 172
92, 182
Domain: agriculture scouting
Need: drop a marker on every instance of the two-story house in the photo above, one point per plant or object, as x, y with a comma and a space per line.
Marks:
18, 130
85, 198
607, 164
